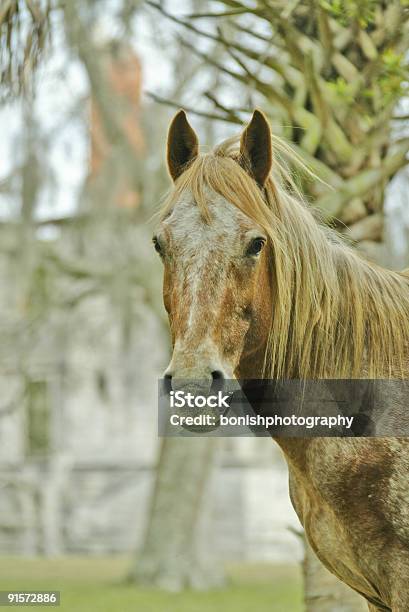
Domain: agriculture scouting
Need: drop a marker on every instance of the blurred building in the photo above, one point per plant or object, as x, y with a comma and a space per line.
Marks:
78, 420
78, 443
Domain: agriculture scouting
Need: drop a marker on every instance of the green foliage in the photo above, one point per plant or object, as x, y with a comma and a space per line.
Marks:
344, 91
347, 11
387, 88
393, 76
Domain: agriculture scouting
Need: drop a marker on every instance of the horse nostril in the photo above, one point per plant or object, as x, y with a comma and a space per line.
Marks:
167, 383
217, 375
218, 380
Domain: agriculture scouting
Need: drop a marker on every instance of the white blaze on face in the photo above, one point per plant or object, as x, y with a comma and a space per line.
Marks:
205, 250
201, 256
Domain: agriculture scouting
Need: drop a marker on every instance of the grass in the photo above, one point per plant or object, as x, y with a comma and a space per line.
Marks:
89, 584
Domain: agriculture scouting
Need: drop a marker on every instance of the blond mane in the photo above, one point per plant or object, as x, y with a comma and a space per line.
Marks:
335, 315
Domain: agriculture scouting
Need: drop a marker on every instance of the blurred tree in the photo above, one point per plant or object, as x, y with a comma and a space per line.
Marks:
24, 33
116, 139
330, 74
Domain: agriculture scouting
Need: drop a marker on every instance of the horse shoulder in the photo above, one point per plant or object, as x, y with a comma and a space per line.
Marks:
351, 495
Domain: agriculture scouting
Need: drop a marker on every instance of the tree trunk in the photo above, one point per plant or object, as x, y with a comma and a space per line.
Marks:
176, 552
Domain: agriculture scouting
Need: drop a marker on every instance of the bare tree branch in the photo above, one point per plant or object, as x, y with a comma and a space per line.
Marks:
189, 109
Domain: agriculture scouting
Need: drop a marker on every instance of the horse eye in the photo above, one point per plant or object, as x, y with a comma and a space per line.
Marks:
256, 246
156, 245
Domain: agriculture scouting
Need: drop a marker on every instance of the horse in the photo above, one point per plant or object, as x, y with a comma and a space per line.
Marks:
256, 286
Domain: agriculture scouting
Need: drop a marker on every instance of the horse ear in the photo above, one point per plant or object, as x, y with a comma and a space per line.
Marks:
256, 149
182, 146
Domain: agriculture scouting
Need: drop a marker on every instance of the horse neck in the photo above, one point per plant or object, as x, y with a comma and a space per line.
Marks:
294, 449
